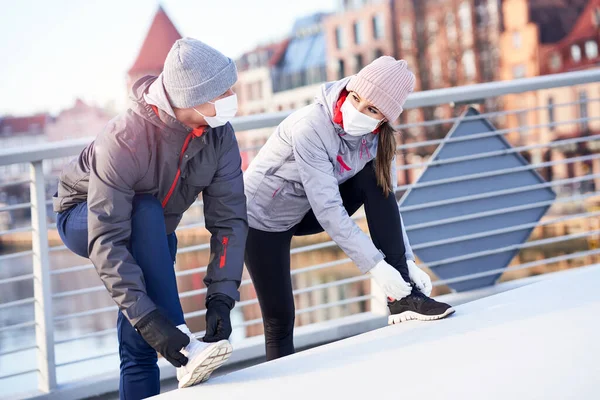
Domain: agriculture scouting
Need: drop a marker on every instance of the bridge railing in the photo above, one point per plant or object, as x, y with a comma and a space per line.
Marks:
57, 321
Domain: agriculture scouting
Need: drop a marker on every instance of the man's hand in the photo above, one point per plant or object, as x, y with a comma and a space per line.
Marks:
218, 324
164, 337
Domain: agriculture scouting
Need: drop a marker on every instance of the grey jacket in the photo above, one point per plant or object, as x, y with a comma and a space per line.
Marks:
301, 167
139, 153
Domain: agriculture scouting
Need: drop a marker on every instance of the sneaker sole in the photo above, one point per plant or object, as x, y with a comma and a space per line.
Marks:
411, 315
216, 357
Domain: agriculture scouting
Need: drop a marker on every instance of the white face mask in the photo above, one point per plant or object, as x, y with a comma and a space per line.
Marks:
225, 108
355, 122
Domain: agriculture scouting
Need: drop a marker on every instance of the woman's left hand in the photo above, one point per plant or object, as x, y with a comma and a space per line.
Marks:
419, 277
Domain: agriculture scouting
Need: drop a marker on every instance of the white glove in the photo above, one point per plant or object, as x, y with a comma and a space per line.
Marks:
419, 277
390, 280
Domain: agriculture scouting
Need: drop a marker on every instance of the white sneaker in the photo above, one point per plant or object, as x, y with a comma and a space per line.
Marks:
203, 359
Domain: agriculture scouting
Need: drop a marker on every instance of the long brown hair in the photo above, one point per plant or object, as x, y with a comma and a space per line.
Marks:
386, 149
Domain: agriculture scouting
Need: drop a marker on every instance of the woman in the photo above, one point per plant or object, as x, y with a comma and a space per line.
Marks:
322, 164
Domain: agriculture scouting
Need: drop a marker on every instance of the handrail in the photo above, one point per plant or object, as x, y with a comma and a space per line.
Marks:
469, 93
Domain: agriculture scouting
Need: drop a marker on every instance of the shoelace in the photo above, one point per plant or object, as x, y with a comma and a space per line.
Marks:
417, 294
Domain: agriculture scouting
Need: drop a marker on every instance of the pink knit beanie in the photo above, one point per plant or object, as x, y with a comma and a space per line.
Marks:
386, 83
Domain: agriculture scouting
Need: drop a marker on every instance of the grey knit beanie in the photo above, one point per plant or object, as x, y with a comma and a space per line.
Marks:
195, 73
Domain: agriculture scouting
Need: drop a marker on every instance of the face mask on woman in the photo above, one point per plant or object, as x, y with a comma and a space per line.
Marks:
355, 122
225, 108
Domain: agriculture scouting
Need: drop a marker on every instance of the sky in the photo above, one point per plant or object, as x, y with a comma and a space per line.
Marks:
54, 51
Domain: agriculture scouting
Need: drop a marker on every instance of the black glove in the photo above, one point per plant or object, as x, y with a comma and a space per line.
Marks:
218, 324
164, 337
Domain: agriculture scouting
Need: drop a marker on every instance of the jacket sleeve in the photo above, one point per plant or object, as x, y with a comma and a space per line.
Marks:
226, 220
113, 172
322, 190
409, 253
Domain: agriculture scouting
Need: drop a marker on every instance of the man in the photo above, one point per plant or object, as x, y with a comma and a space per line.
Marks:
121, 200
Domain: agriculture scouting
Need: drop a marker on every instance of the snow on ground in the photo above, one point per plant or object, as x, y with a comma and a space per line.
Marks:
541, 341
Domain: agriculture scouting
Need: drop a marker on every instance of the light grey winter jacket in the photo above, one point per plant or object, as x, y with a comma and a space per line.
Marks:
301, 167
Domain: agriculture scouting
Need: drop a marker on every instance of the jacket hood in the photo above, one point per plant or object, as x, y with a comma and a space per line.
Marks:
329, 94
140, 106
327, 98
157, 96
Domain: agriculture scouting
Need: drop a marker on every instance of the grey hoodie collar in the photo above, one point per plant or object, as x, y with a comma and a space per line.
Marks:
157, 96
144, 109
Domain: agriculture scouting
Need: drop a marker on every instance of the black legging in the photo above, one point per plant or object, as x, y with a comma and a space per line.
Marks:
268, 255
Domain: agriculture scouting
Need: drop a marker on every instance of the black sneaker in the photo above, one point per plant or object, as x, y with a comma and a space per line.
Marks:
417, 306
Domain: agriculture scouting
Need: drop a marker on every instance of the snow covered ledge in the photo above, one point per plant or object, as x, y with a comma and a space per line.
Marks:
537, 341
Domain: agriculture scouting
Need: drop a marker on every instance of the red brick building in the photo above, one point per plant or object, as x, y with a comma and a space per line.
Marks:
549, 37
446, 43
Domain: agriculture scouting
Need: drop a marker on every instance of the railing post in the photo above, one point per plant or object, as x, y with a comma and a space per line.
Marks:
378, 300
44, 326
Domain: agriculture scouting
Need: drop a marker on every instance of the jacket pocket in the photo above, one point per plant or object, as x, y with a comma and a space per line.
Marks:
279, 200
199, 178
195, 181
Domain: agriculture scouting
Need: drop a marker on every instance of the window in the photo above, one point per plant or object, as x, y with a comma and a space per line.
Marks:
551, 113
432, 29
378, 53
468, 60
576, 53
583, 110
250, 91
451, 27
555, 62
358, 32
410, 60
413, 116
341, 69
358, 62
296, 80
6, 130
436, 71
439, 113
482, 18
316, 75
464, 14
516, 39
258, 90
591, 49
522, 120
378, 27
406, 33
339, 37
452, 71
253, 60
34, 128
596, 17
519, 71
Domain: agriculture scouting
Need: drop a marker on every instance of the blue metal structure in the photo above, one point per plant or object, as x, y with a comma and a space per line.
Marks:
457, 184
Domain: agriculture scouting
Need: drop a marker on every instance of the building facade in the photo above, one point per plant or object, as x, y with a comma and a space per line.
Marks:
541, 39
285, 75
446, 43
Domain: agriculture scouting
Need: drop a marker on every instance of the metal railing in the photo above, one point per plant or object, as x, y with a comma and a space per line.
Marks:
572, 205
